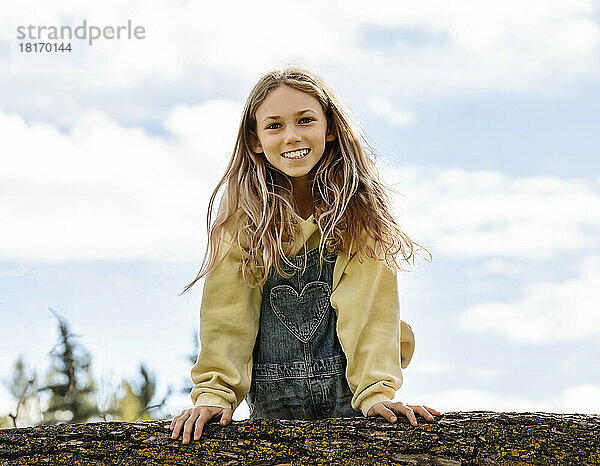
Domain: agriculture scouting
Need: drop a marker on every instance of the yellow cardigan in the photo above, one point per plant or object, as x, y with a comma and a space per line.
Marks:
364, 295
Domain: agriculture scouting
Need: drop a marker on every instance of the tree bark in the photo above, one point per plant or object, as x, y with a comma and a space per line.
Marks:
455, 438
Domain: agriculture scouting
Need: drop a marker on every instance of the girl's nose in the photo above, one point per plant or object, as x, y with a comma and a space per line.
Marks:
291, 136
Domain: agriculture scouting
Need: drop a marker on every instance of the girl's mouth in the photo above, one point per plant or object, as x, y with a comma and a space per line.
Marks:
296, 155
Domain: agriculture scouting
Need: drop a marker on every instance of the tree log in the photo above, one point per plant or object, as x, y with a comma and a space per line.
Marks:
455, 438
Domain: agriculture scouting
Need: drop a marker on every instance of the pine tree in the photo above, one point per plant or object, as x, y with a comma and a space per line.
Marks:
69, 381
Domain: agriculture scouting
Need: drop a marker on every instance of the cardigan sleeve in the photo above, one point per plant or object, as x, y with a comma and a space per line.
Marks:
229, 320
377, 344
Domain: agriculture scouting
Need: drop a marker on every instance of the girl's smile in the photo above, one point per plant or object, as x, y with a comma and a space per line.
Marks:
296, 154
292, 132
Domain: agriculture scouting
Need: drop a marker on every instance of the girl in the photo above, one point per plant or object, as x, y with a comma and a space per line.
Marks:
300, 311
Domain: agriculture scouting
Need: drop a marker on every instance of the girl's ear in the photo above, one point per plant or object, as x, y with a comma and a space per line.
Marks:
255, 143
330, 136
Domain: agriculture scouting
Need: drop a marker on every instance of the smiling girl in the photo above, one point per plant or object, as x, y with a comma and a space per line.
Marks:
300, 312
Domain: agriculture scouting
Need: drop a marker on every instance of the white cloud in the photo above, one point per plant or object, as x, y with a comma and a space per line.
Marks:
499, 267
206, 131
388, 111
485, 374
481, 214
539, 48
547, 312
571, 362
99, 191
439, 367
476, 400
428, 367
581, 399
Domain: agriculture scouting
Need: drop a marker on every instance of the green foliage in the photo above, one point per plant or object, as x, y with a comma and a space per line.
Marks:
69, 381
135, 403
70, 393
23, 387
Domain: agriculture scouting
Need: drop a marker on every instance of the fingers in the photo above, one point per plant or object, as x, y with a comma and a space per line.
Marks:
194, 419
197, 426
383, 411
425, 411
387, 410
178, 421
226, 416
432, 410
185, 422
408, 412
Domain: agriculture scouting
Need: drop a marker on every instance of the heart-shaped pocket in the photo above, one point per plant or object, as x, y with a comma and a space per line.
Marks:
302, 314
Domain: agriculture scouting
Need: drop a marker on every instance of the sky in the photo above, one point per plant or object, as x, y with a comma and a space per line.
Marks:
485, 118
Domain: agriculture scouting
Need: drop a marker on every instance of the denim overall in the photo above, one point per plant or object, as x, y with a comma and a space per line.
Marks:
299, 367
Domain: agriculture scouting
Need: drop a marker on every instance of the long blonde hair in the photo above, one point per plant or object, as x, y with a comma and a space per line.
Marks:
352, 206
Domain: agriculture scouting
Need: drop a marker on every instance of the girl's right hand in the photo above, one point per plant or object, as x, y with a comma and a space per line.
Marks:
194, 419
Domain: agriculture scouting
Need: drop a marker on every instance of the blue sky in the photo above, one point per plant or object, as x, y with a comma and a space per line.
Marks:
486, 120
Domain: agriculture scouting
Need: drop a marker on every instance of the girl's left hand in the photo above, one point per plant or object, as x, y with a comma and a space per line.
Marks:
386, 409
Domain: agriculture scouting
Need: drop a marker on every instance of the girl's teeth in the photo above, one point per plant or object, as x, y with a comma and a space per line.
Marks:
297, 154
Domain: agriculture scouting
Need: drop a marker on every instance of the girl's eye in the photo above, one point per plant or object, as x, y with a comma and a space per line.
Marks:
303, 118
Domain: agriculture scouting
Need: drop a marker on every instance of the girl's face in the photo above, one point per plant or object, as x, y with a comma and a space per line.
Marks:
289, 120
